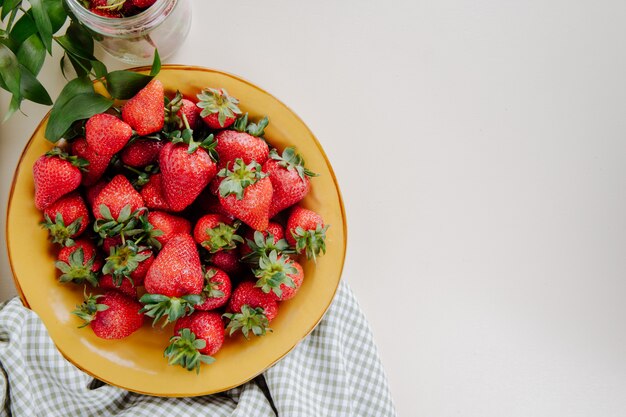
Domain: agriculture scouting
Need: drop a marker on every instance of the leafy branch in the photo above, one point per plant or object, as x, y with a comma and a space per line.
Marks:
31, 28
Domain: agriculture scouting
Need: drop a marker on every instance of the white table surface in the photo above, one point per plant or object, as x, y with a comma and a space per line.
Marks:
480, 147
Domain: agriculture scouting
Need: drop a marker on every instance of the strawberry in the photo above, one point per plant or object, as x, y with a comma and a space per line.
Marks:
92, 192
142, 4
274, 229
141, 152
106, 134
152, 194
79, 263
215, 233
218, 109
107, 282
195, 339
189, 109
250, 310
127, 259
66, 218
290, 179
55, 174
146, 111
97, 163
210, 203
174, 280
275, 273
232, 145
116, 195
109, 243
306, 230
279, 276
112, 315
246, 193
228, 260
129, 9
217, 288
168, 224
184, 175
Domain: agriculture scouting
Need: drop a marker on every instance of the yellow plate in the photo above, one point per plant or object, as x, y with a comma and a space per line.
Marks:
136, 363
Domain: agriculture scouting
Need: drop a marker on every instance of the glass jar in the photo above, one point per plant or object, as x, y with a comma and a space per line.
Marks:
164, 25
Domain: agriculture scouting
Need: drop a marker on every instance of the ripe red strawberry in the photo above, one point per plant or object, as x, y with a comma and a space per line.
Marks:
112, 315
279, 276
146, 111
117, 194
228, 260
97, 163
195, 338
79, 263
128, 260
66, 218
169, 224
129, 9
92, 192
152, 194
290, 179
251, 310
210, 203
106, 282
306, 230
106, 134
215, 233
110, 242
55, 175
217, 288
184, 175
142, 152
191, 112
174, 281
142, 4
232, 145
218, 109
277, 273
246, 193
274, 229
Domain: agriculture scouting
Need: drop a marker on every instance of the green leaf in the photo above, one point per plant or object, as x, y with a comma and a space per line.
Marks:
42, 21
80, 38
156, 64
31, 54
99, 68
31, 89
8, 7
14, 106
126, 84
81, 106
10, 71
23, 28
57, 13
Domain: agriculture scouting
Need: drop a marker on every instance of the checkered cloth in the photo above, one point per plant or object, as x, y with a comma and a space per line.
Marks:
335, 371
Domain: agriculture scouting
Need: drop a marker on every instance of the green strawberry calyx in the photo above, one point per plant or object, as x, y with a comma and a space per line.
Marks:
211, 288
241, 176
248, 320
184, 350
77, 270
290, 160
254, 129
222, 237
273, 271
169, 309
172, 107
59, 232
262, 246
310, 241
79, 163
186, 136
88, 310
124, 260
217, 100
125, 224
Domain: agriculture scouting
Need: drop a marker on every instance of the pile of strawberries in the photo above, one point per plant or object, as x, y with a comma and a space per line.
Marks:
180, 211
117, 8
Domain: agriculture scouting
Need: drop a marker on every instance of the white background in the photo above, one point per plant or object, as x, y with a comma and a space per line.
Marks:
480, 147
